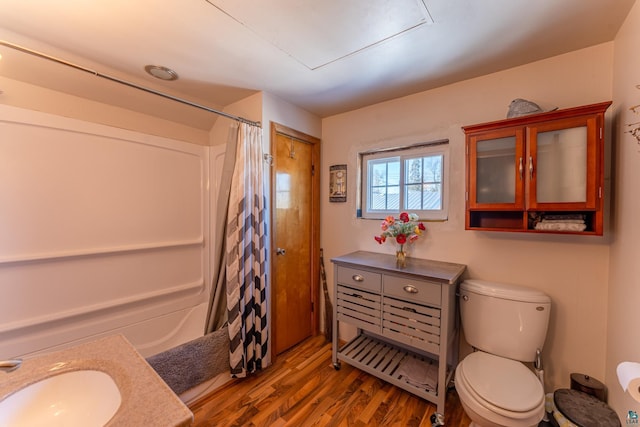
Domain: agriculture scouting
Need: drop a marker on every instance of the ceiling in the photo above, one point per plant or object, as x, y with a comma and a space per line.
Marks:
326, 57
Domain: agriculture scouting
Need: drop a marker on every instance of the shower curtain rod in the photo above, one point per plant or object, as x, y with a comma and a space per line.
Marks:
126, 83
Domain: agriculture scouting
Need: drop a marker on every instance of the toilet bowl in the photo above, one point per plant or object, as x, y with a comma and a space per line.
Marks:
506, 325
499, 392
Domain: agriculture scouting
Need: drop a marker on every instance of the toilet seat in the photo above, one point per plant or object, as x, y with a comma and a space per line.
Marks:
502, 383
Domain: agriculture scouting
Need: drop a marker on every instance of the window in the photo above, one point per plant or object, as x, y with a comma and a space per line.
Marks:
405, 179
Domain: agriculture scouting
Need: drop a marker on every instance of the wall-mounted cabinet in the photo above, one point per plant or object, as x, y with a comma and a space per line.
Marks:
539, 173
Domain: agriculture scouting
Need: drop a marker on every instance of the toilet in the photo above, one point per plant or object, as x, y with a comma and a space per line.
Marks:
506, 325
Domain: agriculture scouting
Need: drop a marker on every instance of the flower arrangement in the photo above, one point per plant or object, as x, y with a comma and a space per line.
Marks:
405, 229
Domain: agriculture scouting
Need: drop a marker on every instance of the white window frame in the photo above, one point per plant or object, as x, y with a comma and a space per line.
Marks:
403, 153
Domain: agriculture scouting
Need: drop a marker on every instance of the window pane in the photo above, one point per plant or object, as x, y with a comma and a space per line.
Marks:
423, 183
433, 169
413, 171
413, 196
378, 199
378, 174
393, 201
394, 173
432, 196
385, 180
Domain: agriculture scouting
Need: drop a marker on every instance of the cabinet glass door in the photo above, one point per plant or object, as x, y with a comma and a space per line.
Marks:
561, 164
495, 164
495, 181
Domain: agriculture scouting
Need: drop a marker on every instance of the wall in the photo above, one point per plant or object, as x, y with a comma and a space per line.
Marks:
572, 270
624, 277
103, 231
25, 95
279, 111
249, 108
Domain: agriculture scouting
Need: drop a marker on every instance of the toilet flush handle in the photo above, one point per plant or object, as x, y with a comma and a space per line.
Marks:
465, 297
538, 362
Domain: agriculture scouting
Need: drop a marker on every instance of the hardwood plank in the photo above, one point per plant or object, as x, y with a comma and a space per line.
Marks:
303, 389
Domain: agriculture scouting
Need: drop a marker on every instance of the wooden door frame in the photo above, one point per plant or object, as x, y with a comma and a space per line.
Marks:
276, 129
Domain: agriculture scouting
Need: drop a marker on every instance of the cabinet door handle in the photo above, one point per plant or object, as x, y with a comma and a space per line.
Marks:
410, 289
520, 168
531, 167
357, 278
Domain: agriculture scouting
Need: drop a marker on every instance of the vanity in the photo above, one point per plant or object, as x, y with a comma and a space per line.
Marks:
75, 385
405, 320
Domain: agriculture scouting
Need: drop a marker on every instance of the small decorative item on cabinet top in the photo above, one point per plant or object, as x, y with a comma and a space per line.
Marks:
404, 231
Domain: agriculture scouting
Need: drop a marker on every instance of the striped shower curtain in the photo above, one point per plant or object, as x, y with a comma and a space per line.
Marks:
247, 257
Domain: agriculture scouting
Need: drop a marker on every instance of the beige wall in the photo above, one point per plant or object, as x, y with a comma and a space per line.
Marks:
249, 108
573, 270
624, 277
280, 111
25, 95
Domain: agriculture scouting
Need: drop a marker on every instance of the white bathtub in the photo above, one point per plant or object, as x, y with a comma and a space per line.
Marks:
102, 230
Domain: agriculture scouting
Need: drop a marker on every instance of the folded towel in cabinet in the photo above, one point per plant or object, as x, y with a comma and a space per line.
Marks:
560, 226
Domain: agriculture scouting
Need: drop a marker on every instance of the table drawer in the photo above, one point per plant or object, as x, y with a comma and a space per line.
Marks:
360, 279
413, 290
412, 324
359, 308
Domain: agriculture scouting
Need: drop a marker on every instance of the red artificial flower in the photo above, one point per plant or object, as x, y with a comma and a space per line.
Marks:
401, 239
421, 226
404, 217
380, 239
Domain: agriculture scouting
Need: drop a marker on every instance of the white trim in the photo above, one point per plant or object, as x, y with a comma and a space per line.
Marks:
93, 310
199, 241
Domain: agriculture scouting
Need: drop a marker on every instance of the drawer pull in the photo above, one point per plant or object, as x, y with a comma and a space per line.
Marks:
357, 278
410, 289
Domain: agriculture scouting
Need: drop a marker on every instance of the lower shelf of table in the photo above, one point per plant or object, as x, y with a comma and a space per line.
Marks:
383, 360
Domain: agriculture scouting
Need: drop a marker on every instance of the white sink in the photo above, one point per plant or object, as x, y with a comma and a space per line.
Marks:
74, 398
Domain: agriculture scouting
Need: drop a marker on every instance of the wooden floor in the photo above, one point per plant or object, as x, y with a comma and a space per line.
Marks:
303, 389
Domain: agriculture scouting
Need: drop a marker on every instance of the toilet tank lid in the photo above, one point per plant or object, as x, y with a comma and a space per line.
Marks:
505, 291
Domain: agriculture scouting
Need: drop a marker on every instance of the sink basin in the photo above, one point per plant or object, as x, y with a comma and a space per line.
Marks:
74, 398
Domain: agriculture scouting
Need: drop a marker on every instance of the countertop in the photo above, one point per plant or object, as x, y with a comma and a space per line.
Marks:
146, 399
437, 271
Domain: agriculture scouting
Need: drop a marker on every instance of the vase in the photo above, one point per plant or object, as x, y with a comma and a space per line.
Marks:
401, 258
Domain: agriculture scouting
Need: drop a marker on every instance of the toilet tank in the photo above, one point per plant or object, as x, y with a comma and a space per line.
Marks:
506, 320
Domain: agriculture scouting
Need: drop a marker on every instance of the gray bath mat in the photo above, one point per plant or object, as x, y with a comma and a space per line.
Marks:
189, 364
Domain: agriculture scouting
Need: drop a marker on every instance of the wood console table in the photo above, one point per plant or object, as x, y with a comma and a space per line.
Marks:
404, 318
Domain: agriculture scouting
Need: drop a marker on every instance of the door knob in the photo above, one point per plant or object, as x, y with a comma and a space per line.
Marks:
280, 251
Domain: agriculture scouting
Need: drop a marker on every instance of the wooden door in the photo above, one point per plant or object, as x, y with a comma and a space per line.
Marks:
295, 243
